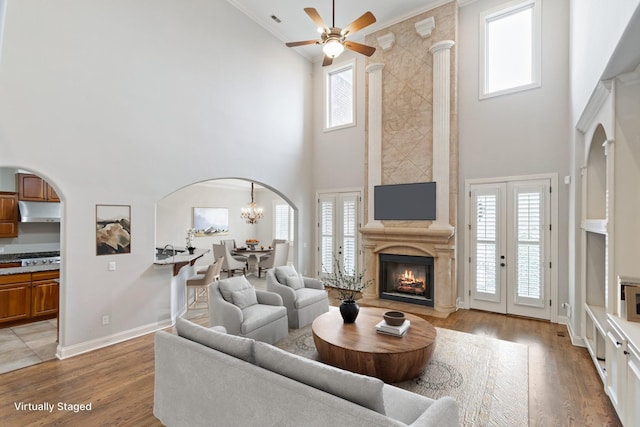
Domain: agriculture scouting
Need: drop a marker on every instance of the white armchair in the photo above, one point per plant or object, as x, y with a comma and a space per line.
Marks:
304, 297
235, 304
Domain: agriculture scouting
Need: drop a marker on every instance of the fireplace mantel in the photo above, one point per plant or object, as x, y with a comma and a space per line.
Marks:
409, 234
437, 243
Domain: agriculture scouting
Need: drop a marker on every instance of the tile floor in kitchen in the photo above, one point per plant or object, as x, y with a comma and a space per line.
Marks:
27, 345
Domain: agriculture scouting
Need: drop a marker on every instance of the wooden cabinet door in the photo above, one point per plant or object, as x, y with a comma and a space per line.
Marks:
15, 297
30, 187
8, 214
52, 196
44, 293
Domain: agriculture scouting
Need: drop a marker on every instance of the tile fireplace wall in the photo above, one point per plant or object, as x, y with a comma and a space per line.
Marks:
412, 137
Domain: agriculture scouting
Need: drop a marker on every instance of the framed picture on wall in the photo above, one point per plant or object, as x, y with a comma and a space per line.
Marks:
211, 221
113, 229
633, 303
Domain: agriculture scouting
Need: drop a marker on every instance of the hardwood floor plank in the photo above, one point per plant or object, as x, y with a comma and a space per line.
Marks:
564, 388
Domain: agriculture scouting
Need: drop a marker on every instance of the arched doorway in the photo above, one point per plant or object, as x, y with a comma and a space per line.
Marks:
30, 258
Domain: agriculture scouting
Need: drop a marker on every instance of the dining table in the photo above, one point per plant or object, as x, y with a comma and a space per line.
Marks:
253, 256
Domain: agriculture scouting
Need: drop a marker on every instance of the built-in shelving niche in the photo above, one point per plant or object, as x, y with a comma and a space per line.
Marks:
596, 319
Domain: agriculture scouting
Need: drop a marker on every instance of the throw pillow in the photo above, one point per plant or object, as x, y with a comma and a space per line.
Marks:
360, 389
295, 282
283, 272
245, 298
240, 347
231, 284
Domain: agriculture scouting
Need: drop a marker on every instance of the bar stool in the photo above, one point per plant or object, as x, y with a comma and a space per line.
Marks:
199, 284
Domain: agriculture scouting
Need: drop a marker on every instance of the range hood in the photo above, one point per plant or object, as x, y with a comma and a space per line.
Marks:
39, 211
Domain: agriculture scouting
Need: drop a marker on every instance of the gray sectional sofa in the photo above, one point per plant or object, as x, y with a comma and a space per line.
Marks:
206, 377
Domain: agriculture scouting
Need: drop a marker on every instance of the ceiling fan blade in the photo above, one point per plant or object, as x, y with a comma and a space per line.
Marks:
294, 44
360, 48
315, 17
360, 23
327, 61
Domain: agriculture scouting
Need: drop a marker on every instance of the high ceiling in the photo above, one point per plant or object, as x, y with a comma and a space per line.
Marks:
295, 25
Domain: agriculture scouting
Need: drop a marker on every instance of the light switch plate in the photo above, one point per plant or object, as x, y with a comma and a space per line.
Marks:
112, 266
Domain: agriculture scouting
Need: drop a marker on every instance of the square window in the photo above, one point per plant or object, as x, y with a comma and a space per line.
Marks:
340, 96
510, 51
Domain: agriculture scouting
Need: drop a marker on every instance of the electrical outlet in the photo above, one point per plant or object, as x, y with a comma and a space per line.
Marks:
112, 266
105, 319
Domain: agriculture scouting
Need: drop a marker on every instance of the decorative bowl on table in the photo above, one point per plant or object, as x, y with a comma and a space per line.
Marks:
252, 243
394, 318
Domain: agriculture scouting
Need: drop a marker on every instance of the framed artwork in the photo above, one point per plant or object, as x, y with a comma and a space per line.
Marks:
113, 229
211, 221
633, 303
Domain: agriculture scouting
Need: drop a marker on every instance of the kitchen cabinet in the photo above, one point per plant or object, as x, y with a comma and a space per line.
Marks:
44, 293
15, 297
8, 214
33, 188
26, 296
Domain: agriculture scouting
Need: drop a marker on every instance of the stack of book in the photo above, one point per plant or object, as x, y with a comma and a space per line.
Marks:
398, 331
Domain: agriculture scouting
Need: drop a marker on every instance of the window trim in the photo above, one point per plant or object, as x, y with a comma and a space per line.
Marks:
536, 60
327, 72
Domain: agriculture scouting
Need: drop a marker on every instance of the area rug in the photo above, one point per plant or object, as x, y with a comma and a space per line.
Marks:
489, 378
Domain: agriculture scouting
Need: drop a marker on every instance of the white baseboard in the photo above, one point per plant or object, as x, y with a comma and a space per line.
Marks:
575, 339
87, 346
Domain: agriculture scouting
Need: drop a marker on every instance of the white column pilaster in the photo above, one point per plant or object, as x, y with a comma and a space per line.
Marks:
441, 130
374, 142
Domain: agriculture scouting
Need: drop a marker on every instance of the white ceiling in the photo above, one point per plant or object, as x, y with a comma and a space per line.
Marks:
296, 25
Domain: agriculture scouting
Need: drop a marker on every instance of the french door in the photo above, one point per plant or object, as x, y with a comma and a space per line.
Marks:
510, 246
338, 222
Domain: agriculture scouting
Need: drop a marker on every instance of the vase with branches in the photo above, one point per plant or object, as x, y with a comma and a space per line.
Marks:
348, 283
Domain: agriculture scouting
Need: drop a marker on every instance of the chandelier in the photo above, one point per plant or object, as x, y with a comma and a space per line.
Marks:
252, 213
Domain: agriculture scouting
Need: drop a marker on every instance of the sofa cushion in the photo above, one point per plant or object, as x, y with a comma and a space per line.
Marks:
240, 347
229, 285
359, 389
259, 315
295, 282
245, 297
283, 272
306, 297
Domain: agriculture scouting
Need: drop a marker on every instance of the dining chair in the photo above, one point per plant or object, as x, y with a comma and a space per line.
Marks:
230, 264
278, 258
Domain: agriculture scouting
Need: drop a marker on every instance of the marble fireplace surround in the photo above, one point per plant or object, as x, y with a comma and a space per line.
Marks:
416, 242
427, 124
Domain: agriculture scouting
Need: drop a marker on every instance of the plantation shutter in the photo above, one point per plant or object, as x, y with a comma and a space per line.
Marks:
326, 232
486, 244
283, 218
349, 233
529, 244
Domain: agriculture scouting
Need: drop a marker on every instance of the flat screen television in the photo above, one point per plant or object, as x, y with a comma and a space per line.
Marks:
408, 202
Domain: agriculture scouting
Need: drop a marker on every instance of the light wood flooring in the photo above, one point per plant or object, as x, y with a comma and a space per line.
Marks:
564, 389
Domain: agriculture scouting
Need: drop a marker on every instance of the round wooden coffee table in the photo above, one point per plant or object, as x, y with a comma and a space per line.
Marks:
357, 347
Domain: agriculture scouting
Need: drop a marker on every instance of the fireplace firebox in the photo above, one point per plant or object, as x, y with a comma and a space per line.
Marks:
406, 278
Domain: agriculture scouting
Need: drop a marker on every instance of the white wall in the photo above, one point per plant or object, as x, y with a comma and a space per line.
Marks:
596, 29
126, 101
339, 155
519, 134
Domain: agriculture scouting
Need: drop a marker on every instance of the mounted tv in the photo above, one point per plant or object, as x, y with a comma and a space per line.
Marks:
407, 202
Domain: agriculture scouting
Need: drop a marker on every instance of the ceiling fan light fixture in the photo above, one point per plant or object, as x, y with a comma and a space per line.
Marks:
333, 48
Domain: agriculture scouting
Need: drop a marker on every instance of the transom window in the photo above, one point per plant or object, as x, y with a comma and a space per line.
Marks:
510, 51
340, 96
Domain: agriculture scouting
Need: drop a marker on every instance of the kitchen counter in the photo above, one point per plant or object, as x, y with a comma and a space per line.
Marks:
17, 257
181, 259
29, 269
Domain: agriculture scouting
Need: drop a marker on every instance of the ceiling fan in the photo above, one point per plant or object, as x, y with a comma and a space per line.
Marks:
333, 39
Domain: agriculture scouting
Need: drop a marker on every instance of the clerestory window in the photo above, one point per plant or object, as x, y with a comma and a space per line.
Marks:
340, 96
510, 48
